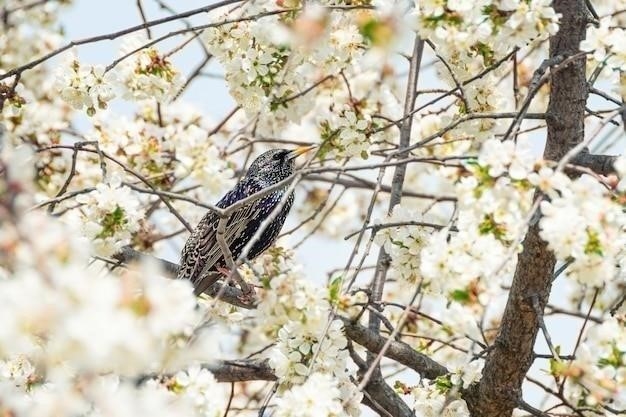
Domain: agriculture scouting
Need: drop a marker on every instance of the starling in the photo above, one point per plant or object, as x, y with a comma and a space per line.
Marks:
202, 253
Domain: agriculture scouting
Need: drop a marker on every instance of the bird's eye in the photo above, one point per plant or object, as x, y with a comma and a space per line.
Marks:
279, 156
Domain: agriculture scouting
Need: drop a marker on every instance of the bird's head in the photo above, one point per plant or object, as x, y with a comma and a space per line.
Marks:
276, 164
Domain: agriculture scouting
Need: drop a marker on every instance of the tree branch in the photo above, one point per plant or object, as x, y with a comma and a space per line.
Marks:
385, 400
373, 342
499, 390
379, 396
242, 370
222, 292
382, 264
398, 351
237, 370
600, 164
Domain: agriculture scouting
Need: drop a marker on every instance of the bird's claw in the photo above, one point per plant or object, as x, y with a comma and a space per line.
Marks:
223, 271
248, 295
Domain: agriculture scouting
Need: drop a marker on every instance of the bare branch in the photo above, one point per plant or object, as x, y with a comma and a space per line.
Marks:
382, 264
398, 351
126, 168
600, 164
114, 35
242, 370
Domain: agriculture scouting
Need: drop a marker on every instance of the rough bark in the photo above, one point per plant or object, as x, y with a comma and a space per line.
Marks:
398, 351
500, 389
381, 398
600, 164
242, 370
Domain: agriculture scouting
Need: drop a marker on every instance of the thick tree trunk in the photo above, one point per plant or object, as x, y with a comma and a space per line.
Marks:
500, 389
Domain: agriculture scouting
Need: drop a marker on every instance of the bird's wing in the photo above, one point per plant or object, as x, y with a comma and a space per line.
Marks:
235, 226
191, 257
202, 251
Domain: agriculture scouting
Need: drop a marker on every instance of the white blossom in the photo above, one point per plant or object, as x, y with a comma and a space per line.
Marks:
583, 225
200, 386
299, 344
110, 216
317, 397
147, 74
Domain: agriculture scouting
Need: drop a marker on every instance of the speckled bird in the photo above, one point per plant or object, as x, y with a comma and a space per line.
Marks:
202, 253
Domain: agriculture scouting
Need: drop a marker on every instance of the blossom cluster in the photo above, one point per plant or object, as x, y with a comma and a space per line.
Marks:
303, 348
69, 313
110, 216
598, 375
269, 74
294, 313
285, 296
584, 226
33, 110
432, 403
348, 118
604, 41
201, 387
493, 195
346, 132
79, 336
473, 26
172, 145
92, 397
145, 74
470, 37
607, 45
86, 88
318, 396
441, 397
259, 68
192, 390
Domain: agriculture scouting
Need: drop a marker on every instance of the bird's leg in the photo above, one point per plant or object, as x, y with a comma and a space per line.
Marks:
224, 271
233, 276
230, 276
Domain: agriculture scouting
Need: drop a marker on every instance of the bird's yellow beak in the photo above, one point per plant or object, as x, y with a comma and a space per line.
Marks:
299, 151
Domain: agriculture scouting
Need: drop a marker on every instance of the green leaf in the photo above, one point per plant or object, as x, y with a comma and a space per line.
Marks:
112, 222
462, 296
593, 245
556, 366
443, 383
334, 289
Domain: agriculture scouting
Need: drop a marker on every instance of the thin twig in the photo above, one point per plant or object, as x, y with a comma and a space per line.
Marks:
113, 35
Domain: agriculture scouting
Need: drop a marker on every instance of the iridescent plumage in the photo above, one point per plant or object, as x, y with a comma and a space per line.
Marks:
202, 253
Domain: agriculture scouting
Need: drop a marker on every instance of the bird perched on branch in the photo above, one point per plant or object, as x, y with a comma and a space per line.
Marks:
202, 253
